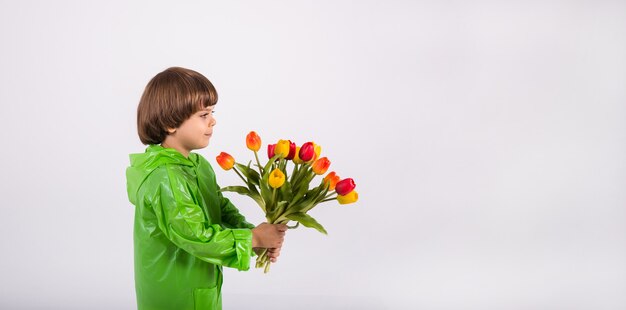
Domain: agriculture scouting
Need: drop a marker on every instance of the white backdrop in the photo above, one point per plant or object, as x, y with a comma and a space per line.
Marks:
487, 140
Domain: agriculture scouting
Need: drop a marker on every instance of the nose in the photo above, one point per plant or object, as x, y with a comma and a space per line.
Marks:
212, 122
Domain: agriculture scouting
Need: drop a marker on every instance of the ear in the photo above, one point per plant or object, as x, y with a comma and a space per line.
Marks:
171, 130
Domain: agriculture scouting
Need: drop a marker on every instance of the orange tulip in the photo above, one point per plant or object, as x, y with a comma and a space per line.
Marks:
225, 161
351, 197
331, 179
253, 141
321, 165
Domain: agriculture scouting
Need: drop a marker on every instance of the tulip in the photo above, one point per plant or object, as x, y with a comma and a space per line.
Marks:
270, 150
351, 197
345, 186
292, 151
282, 148
331, 179
225, 161
307, 152
296, 158
318, 150
253, 141
320, 166
276, 178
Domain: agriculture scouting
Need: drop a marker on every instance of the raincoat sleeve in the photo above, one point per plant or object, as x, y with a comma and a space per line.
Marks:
183, 222
231, 215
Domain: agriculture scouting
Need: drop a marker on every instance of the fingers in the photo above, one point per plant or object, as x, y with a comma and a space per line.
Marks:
273, 254
281, 227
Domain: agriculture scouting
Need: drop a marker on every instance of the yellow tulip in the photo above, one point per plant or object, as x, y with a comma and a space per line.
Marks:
318, 151
276, 178
282, 148
350, 197
296, 158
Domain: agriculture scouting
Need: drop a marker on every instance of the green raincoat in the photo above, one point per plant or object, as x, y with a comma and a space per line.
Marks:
185, 231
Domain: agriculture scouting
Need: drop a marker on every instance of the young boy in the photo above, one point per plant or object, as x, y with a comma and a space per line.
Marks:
185, 230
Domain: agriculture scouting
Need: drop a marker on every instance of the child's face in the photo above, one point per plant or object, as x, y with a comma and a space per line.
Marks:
194, 133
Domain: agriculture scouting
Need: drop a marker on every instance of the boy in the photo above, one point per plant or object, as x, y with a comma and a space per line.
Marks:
185, 230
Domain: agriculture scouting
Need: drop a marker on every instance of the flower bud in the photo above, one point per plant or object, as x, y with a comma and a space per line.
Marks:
320, 166
270, 150
351, 197
331, 179
282, 148
318, 151
296, 158
307, 152
345, 186
253, 141
292, 151
276, 178
225, 161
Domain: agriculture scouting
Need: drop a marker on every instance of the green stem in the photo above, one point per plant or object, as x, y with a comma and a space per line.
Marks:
239, 174
273, 195
329, 199
302, 174
332, 193
258, 163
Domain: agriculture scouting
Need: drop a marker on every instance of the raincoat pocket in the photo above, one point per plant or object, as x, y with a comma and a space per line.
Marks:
206, 299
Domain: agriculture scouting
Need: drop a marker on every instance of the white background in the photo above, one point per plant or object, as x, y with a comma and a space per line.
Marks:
487, 140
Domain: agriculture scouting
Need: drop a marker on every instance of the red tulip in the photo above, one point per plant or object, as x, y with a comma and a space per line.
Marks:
320, 166
307, 151
270, 150
225, 161
292, 151
345, 186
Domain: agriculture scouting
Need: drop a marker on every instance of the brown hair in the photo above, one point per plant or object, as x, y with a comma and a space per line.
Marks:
170, 98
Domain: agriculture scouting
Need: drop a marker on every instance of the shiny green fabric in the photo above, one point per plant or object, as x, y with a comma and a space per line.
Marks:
185, 231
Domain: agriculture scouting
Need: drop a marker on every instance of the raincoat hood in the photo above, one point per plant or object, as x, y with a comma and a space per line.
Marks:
142, 164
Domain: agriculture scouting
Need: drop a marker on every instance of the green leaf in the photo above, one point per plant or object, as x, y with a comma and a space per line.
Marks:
245, 191
266, 170
250, 174
300, 192
285, 192
276, 213
307, 221
237, 189
266, 190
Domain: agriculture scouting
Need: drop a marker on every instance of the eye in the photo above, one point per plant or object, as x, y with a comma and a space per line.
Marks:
204, 115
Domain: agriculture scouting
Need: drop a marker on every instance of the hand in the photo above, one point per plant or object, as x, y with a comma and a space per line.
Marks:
268, 235
272, 253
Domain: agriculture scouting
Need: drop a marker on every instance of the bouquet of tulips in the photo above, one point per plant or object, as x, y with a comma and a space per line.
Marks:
287, 197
